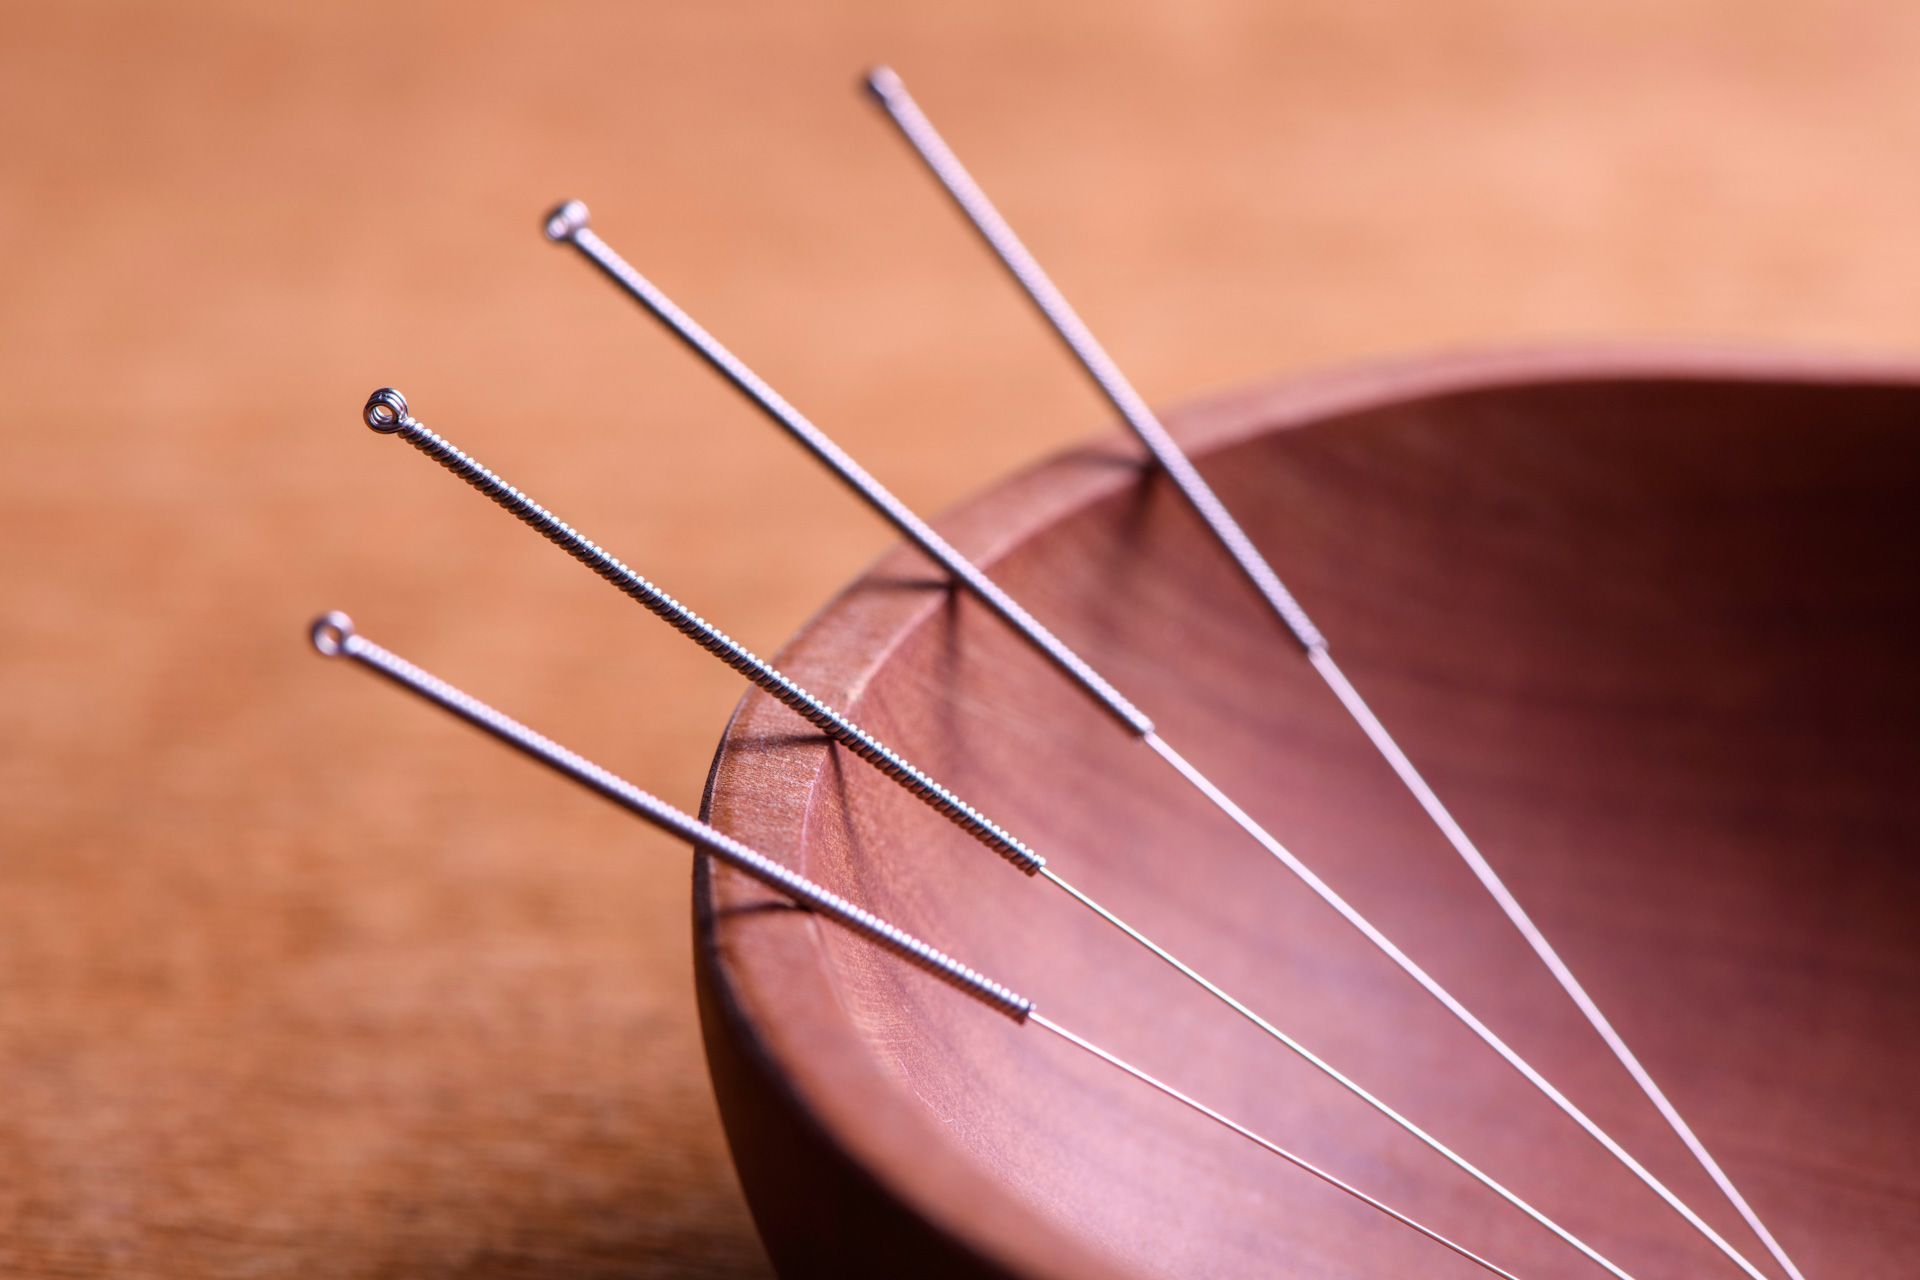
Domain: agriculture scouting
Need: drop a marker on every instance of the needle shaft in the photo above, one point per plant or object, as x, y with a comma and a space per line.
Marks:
918, 130
1041, 1020
333, 634
569, 225
1549, 956
1351, 1086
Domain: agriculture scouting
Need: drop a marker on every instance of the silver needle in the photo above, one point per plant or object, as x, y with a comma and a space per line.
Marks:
891, 93
569, 224
333, 635
387, 413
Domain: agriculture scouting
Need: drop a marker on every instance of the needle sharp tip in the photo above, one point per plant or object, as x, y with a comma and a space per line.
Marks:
330, 633
567, 220
386, 411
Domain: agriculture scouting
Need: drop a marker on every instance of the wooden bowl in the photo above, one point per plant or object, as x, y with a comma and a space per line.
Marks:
1644, 620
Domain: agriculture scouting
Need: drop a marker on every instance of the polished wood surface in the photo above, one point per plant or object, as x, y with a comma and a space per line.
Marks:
295, 979
1646, 622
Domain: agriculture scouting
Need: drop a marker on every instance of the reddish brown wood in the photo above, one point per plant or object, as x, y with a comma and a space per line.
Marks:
1644, 619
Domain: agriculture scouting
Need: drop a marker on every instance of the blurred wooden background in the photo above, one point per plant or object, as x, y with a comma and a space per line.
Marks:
297, 979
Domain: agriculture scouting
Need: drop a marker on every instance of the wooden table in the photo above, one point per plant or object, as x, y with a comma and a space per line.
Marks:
296, 979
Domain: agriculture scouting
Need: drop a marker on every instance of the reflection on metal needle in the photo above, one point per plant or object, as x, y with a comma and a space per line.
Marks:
387, 413
569, 224
333, 635
891, 93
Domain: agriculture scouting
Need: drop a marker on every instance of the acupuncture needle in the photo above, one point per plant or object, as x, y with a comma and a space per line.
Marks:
387, 413
569, 224
890, 92
333, 635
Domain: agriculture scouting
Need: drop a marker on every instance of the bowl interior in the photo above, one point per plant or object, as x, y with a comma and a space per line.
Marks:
1646, 632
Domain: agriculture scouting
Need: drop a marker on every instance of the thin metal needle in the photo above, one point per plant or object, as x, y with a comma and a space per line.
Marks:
387, 413
333, 635
569, 224
888, 89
